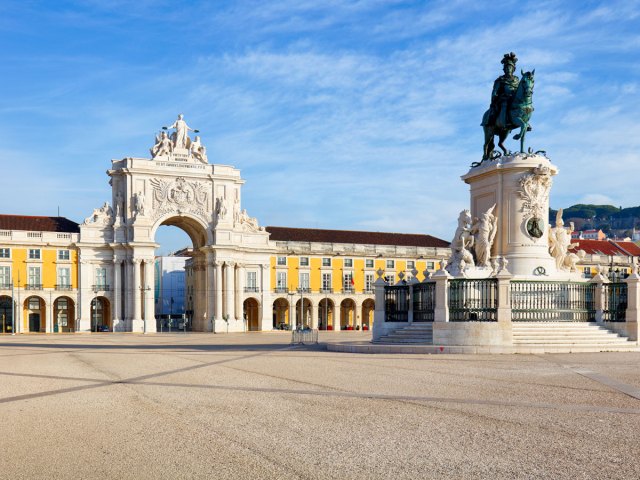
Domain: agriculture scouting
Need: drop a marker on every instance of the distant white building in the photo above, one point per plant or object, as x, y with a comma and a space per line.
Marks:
169, 286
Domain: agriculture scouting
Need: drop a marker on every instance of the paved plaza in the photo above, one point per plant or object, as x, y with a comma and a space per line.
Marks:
253, 406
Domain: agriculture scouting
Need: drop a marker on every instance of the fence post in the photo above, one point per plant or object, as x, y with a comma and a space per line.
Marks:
599, 302
633, 305
504, 296
412, 281
441, 312
379, 313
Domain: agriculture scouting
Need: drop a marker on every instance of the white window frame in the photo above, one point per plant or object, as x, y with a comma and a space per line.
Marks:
346, 282
5, 276
281, 280
391, 264
34, 276
64, 280
304, 281
368, 282
411, 264
304, 261
64, 254
101, 277
326, 281
34, 254
5, 252
252, 281
326, 261
281, 261
348, 263
369, 263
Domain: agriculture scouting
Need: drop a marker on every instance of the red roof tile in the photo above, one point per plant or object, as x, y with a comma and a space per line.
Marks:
347, 236
607, 247
38, 224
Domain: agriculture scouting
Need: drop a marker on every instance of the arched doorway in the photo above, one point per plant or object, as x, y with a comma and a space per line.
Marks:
368, 307
101, 315
302, 313
64, 315
6, 315
325, 314
281, 314
251, 310
180, 288
34, 309
347, 314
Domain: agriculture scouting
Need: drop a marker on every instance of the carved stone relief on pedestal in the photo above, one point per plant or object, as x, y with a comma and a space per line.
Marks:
534, 191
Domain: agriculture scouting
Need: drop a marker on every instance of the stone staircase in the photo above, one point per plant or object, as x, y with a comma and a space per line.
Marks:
568, 336
416, 333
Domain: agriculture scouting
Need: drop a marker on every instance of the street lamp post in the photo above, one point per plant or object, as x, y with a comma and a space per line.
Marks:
144, 290
291, 295
94, 307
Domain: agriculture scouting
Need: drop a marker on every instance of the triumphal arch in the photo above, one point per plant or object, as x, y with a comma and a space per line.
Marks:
175, 186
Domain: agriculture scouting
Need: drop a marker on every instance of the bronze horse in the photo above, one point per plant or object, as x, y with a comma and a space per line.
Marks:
519, 114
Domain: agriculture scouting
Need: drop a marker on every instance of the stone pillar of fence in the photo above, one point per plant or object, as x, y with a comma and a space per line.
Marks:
504, 296
441, 312
599, 304
379, 320
412, 281
633, 306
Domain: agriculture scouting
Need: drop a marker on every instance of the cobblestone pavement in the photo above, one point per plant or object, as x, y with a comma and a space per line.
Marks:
253, 406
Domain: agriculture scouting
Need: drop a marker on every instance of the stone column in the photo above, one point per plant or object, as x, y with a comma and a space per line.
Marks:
149, 317
211, 293
229, 289
217, 306
599, 281
441, 277
116, 292
505, 326
48, 308
380, 326
266, 306
135, 291
128, 292
633, 306
239, 290
314, 316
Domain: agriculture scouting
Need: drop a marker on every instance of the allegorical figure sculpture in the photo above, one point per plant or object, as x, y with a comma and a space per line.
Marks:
484, 231
163, 146
510, 108
560, 242
198, 150
180, 137
138, 203
461, 245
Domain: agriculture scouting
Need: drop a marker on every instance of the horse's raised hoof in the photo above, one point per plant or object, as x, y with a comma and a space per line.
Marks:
516, 136
529, 128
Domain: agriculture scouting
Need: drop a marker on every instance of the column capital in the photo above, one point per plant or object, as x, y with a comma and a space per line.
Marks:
230, 264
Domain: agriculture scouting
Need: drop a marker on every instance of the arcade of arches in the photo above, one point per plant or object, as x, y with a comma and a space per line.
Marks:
293, 312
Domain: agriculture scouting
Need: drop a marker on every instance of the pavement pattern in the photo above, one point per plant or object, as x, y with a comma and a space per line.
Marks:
253, 406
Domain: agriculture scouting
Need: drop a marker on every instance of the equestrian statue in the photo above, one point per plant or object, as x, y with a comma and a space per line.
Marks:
511, 107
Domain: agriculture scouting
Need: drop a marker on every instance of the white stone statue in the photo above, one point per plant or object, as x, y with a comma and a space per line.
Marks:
461, 245
560, 242
198, 150
484, 231
102, 215
221, 209
249, 223
162, 147
138, 203
119, 205
571, 259
181, 136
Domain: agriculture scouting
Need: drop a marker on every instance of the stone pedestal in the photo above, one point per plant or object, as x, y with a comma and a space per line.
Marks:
519, 186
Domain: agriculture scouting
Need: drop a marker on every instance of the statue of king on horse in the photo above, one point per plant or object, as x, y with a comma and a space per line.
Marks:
511, 107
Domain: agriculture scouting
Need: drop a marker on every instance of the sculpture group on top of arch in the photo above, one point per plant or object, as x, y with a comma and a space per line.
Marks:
179, 142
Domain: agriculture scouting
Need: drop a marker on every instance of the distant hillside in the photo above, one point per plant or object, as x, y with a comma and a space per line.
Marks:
605, 217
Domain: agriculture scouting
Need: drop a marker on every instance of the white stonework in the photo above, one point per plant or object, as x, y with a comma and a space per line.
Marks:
176, 187
519, 186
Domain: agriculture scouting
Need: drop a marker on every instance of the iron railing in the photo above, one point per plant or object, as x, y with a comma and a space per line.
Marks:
396, 303
615, 302
539, 301
424, 302
472, 300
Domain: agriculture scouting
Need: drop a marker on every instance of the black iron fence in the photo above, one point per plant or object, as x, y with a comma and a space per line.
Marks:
473, 300
533, 301
396, 303
424, 302
615, 302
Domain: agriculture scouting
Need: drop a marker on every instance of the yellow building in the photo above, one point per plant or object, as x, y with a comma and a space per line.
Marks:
39, 272
324, 278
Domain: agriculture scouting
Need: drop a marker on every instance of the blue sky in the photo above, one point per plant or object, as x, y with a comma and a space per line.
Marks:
340, 114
